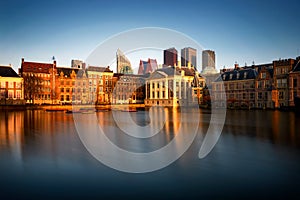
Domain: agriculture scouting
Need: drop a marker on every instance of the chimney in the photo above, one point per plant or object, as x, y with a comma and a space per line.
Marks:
54, 63
236, 66
189, 65
179, 64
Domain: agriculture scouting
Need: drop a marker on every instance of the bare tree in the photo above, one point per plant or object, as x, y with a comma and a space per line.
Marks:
32, 86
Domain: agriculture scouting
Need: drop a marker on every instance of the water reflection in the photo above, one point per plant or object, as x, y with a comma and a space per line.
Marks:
257, 150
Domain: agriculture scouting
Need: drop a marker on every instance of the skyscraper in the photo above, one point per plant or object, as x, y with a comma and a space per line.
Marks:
123, 64
170, 57
189, 55
208, 59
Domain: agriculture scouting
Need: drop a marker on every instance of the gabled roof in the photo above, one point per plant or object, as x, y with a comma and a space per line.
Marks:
7, 71
297, 67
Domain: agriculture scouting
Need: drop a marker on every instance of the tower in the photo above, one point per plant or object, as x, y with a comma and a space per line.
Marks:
208, 59
170, 57
123, 64
189, 55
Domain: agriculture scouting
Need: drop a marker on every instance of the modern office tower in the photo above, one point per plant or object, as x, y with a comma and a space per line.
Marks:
189, 55
208, 59
170, 57
123, 64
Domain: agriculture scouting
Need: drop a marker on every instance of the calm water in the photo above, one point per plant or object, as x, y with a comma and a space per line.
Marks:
257, 156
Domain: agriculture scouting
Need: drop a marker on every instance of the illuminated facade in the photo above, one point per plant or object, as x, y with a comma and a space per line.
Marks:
11, 87
239, 87
39, 82
100, 85
174, 86
129, 89
281, 81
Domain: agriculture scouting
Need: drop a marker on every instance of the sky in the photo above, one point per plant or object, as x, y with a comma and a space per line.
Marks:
238, 31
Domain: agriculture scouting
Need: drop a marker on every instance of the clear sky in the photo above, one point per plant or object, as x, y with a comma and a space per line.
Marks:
242, 31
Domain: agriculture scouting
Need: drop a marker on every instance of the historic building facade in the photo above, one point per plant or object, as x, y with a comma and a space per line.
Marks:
264, 87
239, 87
174, 86
129, 88
39, 82
281, 81
100, 85
294, 85
11, 87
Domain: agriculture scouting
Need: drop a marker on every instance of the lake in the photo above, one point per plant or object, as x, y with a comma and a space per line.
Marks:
256, 156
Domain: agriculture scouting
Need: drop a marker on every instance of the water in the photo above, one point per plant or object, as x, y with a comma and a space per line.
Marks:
257, 156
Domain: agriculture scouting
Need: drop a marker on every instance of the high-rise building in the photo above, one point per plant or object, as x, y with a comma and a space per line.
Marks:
123, 64
189, 55
208, 59
147, 66
77, 64
170, 57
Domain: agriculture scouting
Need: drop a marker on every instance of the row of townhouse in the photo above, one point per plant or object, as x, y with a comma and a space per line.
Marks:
46, 83
272, 85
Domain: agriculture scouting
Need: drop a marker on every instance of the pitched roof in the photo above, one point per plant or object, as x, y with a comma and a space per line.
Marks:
7, 71
297, 67
99, 69
36, 67
235, 75
66, 71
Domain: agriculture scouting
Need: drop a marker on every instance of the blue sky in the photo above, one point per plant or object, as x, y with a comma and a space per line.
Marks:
242, 31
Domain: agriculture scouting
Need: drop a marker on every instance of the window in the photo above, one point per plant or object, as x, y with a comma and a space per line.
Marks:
281, 95
284, 82
259, 95
238, 75
18, 94
3, 84
10, 94
245, 75
68, 90
263, 75
278, 82
10, 84
230, 76
294, 82
62, 89
18, 85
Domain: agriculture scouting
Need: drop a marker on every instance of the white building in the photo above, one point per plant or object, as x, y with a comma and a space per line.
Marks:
174, 86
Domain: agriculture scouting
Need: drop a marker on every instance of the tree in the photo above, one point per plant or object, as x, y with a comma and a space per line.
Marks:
32, 86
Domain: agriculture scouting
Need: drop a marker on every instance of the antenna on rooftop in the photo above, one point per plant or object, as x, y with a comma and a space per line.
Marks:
53, 58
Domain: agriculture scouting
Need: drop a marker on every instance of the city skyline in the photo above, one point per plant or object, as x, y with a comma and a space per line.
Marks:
238, 32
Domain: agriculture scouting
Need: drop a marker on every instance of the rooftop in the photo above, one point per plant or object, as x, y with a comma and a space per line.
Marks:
7, 71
